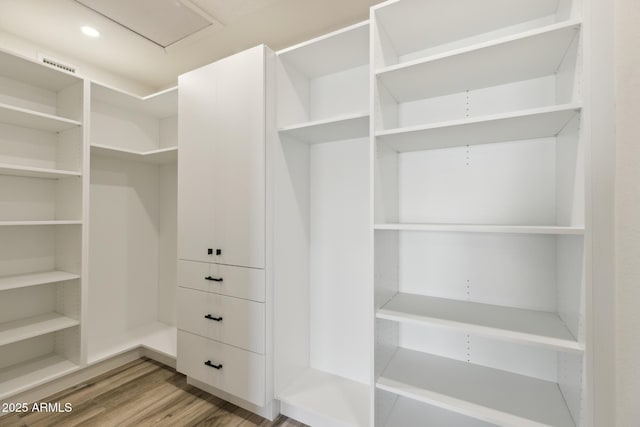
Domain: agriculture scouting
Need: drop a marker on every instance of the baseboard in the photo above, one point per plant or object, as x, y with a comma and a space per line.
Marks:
269, 411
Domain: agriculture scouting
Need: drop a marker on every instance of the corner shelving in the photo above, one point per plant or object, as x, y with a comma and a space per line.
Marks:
525, 56
134, 152
463, 388
531, 327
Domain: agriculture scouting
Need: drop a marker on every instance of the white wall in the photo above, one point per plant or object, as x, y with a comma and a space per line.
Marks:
24, 48
627, 51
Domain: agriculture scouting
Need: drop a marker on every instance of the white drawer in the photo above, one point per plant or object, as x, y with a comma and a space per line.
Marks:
233, 321
240, 282
238, 372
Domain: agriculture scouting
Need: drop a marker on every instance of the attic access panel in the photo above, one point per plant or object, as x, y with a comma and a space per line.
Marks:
163, 22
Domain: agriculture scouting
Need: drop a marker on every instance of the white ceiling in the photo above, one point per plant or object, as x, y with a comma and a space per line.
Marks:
237, 25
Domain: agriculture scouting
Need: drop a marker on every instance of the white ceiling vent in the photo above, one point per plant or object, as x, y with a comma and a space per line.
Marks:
163, 22
58, 65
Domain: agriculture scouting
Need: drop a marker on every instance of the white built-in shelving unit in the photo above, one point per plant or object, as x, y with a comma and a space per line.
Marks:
42, 213
479, 213
321, 167
132, 248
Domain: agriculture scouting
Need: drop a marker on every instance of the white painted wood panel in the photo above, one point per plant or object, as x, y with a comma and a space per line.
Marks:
339, 266
238, 115
503, 184
123, 248
234, 321
241, 373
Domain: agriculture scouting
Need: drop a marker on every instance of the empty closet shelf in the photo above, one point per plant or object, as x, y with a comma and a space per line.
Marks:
29, 172
45, 222
477, 228
339, 128
540, 328
35, 279
23, 329
35, 120
32, 373
317, 397
516, 126
159, 157
524, 56
487, 394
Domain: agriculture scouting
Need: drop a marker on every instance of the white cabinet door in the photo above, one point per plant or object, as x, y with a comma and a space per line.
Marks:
222, 161
196, 162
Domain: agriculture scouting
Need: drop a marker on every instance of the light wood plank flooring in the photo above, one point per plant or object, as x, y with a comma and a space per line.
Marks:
142, 393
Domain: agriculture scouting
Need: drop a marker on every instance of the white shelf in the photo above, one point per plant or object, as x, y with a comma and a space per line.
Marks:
33, 73
35, 120
157, 337
521, 125
342, 128
160, 105
525, 56
30, 172
158, 157
529, 327
18, 378
326, 399
405, 412
31, 223
475, 228
23, 329
483, 393
35, 279
412, 26
333, 52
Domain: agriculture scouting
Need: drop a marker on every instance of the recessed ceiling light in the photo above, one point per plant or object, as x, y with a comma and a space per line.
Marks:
90, 31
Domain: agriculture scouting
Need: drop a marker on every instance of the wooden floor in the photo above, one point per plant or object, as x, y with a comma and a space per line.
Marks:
142, 393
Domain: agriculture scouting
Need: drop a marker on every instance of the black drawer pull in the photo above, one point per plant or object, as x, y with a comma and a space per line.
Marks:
213, 279
210, 317
211, 365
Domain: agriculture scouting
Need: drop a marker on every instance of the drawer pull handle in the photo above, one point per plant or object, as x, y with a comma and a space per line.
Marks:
213, 279
211, 365
210, 317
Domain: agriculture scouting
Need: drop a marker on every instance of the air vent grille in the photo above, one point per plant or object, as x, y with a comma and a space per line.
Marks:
58, 65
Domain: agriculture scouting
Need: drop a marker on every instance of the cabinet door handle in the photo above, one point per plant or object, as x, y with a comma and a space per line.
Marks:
210, 317
211, 365
213, 279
